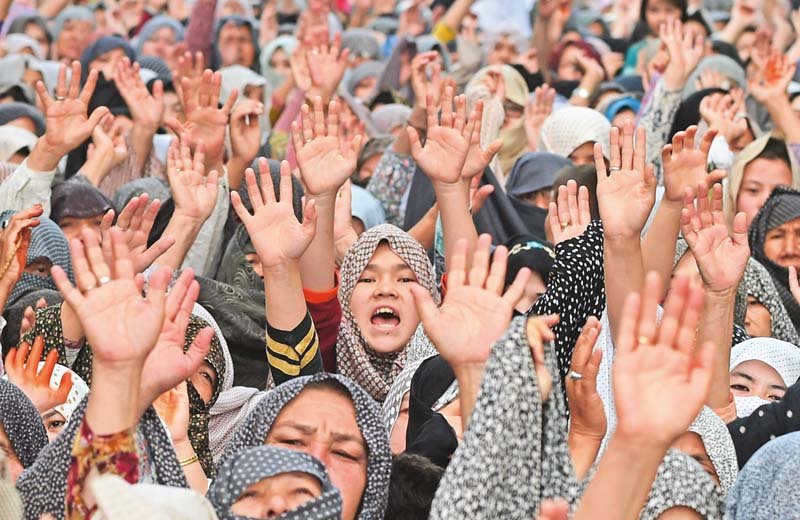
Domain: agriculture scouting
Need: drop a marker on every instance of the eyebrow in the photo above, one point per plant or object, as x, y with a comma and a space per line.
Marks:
746, 376
396, 267
309, 430
778, 387
346, 437
49, 414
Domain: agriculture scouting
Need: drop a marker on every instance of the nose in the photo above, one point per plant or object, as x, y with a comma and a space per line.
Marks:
385, 287
275, 506
790, 245
319, 451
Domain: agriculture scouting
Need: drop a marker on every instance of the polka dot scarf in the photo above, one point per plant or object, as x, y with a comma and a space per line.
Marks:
682, 482
22, 423
255, 464
354, 357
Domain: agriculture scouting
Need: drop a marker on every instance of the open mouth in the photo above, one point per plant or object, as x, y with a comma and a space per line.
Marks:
385, 318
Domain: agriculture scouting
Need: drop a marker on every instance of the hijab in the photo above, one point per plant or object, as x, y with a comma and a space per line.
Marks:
688, 112
532, 172
362, 43
257, 425
727, 67
783, 357
43, 486
15, 110
367, 208
767, 485
76, 394
568, 128
14, 139
252, 465
782, 206
77, 200
21, 422
240, 77
719, 446
47, 241
388, 117
153, 25
287, 44
354, 357
514, 453
682, 482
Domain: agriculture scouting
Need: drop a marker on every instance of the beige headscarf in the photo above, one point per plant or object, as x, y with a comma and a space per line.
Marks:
733, 183
568, 128
515, 141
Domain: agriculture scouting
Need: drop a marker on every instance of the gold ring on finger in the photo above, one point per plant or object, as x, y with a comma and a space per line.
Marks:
644, 340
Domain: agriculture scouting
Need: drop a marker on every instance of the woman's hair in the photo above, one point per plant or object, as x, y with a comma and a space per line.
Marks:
642, 29
414, 482
775, 150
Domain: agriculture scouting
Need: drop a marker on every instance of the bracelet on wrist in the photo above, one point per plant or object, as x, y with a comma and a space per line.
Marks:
186, 462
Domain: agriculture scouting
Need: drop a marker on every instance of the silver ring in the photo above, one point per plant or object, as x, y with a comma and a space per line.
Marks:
615, 168
60, 98
575, 376
104, 280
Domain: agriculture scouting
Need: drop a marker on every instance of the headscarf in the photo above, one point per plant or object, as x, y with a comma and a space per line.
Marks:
734, 181
568, 128
21, 21
76, 394
285, 43
14, 139
238, 21
515, 141
153, 25
68, 14
514, 453
394, 398
682, 482
388, 117
253, 465
783, 357
528, 251
22, 423
719, 446
11, 507
767, 485
15, 110
43, 486
239, 77
17, 42
367, 208
368, 69
77, 200
782, 206
256, 427
354, 357
724, 65
154, 187
362, 43
12, 69
532, 172
47, 241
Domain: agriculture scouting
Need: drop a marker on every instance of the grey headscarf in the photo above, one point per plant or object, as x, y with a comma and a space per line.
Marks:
255, 464
368, 69
362, 43
22, 423
725, 65
388, 117
719, 446
16, 109
43, 486
153, 25
767, 485
73, 12
155, 188
534, 171
256, 427
682, 482
287, 44
514, 453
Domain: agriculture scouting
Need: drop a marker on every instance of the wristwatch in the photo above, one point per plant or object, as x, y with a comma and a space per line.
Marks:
582, 93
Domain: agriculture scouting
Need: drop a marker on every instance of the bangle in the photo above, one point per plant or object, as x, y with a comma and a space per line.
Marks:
190, 460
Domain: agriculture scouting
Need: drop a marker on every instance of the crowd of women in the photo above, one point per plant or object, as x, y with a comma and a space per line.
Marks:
399, 259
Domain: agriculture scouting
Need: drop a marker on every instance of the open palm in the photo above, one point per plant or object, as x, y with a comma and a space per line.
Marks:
685, 164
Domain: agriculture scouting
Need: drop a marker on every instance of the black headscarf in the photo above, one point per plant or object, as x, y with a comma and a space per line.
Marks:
782, 206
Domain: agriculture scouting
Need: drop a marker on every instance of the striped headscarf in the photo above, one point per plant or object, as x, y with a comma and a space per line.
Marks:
355, 359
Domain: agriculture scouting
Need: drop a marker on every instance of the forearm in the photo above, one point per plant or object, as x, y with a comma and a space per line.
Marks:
71, 327
784, 117
402, 145
114, 404
469, 379
318, 263
199, 32
184, 230
624, 274
731, 32
452, 18
236, 167
424, 231
716, 326
542, 43
457, 223
359, 16
285, 303
623, 480
142, 141
658, 244
26, 187
583, 451
195, 475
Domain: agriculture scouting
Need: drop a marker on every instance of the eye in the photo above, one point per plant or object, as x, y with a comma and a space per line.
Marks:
366, 279
345, 455
207, 376
740, 388
52, 425
774, 397
406, 279
290, 442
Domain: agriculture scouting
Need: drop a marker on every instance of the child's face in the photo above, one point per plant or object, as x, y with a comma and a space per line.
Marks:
274, 496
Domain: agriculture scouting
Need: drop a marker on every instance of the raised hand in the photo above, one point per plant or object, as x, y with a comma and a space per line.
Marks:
660, 380
107, 150
477, 158
475, 300
135, 221
720, 256
189, 67
536, 111
195, 195
146, 109
774, 83
421, 83
245, 130
344, 236
684, 53
15, 239
326, 65
325, 158
587, 417
67, 122
569, 216
22, 368
685, 165
723, 112
276, 233
446, 148
173, 408
626, 195
539, 330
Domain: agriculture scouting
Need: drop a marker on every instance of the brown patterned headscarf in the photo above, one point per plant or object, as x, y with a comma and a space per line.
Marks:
375, 371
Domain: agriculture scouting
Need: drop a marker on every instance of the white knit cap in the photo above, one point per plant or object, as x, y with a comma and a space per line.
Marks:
780, 355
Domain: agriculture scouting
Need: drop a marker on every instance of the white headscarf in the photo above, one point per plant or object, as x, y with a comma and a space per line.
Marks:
780, 355
570, 127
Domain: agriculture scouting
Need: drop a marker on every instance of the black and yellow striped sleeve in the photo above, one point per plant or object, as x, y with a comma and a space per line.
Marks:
293, 353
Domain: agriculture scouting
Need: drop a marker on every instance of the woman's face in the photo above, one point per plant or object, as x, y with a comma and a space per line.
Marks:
782, 244
365, 87
569, 68
39, 267
658, 12
322, 423
758, 321
73, 39
514, 114
397, 437
160, 44
173, 107
280, 62
744, 45
204, 381
254, 92
273, 496
14, 465
236, 45
255, 262
37, 33
691, 444
504, 52
759, 179
584, 154
382, 304
107, 62
756, 378
53, 422
72, 227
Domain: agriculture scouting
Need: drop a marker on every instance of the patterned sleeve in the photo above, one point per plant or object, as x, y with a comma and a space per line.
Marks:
389, 183
295, 352
115, 454
657, 118
575, 290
